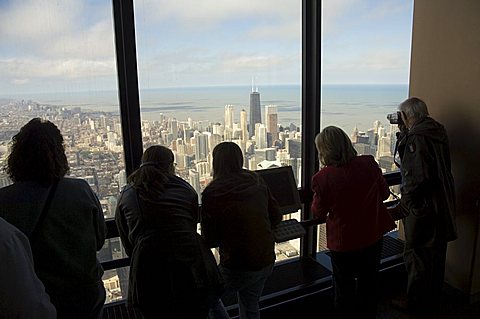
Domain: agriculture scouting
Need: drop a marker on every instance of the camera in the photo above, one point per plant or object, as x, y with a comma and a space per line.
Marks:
395, 118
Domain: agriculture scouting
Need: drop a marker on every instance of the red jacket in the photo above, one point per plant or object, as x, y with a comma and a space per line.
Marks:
350, 199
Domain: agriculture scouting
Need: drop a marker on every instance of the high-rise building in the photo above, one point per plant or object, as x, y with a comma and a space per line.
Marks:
203, 169
261, 136
255, 111
201, 146
174, 128
194, 180
229, 116
268, 154
294, 147
271, 122
384, 146
243, 124
214, 140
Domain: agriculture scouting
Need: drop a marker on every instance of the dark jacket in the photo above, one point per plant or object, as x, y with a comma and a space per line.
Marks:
238, 213
427, 188
65, 248
169, 259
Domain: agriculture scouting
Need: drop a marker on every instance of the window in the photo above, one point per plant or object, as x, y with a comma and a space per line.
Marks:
221, 71
57, 62
365, 56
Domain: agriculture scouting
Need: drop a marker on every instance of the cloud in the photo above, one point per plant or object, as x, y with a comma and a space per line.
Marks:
50, 28
95, 42
372, 61
340, 15
251, 63
333, 13
65, 69
198, 15
387, 8
213, 62
73, 39
34, 21
55, 40
287, 31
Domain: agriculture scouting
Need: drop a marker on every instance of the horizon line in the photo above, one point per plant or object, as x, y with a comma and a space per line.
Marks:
201, 87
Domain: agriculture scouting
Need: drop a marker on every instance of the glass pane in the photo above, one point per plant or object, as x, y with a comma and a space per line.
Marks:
57, 62
116, 284
365, 73
223, 71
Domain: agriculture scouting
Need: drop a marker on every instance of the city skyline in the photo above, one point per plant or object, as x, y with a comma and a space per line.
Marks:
95, 153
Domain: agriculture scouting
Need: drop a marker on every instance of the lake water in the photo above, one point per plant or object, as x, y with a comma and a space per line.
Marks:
347, 106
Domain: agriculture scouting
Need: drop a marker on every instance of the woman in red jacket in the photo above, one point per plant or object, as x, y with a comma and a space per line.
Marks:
348, 194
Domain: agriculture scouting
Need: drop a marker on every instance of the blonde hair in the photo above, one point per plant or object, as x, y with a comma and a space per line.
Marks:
334, 147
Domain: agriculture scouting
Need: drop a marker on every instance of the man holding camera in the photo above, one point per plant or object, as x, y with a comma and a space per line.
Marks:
428, 204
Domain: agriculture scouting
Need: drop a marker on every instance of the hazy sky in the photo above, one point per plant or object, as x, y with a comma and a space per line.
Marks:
68, 45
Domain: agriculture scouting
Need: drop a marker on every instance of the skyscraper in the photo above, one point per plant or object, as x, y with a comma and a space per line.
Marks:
243, 124
201, 147
255, 111
174, 128
271, 122
229, 116
261, 136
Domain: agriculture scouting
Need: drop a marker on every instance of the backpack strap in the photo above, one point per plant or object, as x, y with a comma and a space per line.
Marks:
41, 218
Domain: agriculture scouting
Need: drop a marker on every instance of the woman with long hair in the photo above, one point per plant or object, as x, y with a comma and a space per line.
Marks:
348, 194
238, 213
60, 215
173, 274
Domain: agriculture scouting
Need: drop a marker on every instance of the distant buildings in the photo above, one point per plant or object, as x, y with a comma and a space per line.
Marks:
94, 152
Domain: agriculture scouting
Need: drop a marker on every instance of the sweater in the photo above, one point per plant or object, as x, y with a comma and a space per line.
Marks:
350, 199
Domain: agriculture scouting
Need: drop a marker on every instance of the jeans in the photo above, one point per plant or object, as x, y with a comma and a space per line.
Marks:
355, 275
248, 285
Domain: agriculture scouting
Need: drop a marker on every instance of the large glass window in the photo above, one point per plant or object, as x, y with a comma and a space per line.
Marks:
365, 70
213, 71
57, 62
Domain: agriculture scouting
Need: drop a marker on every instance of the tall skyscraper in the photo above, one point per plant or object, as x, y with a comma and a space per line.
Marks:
271, 122
229, 116
194, 180
174, 128
261, 136
201, 147
243, 124
294, 147
255, 111
214, 140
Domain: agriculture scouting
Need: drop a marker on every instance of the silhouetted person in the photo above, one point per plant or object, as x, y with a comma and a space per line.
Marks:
238, 213
61, 216
428, 199
349, 191
22, 294
173, 274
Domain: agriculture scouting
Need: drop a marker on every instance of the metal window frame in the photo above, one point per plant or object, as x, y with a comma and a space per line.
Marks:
128, 90
311, 107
